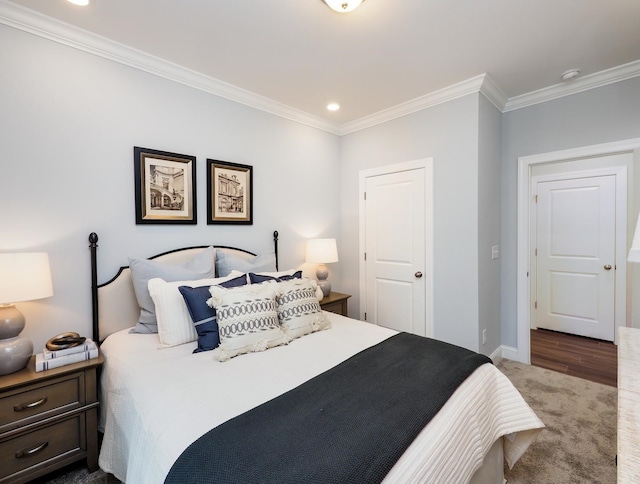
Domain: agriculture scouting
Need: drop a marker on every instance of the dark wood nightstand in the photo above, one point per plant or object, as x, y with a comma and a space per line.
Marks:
335, 302
48, 419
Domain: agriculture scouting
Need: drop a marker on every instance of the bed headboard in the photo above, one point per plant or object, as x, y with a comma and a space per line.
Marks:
114, 304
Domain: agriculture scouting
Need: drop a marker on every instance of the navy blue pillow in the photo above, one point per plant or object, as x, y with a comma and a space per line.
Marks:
258, 278
204, 317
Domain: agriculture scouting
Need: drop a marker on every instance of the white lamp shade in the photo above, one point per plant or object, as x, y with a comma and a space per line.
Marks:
24, 276
343, 5
321, 251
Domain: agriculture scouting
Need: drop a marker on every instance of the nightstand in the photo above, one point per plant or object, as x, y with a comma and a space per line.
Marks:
335, 302
48, 419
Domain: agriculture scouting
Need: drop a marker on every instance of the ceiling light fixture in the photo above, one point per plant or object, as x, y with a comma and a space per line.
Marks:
343, 6
82, 3
570, 75
333, 106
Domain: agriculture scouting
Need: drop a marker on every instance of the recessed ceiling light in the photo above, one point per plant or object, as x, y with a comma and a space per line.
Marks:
82, 3
333, 106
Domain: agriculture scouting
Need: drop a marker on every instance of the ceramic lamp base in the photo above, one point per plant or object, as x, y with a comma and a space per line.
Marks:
323, 283
15, 350
14, 354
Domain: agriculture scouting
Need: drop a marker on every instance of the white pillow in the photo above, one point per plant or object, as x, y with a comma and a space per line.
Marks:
299, 311
247, 319
175, 326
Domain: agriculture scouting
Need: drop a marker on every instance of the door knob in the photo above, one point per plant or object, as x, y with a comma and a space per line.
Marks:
418, 274
607, 267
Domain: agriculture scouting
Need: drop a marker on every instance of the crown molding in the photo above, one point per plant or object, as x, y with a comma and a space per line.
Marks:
581, 84
482, 84
432, 99
43, 26
493, 93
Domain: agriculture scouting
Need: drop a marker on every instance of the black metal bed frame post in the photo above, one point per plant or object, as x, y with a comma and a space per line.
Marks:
275, 244
93, 247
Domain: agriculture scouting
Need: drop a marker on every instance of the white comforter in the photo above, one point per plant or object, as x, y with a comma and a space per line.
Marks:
155, 402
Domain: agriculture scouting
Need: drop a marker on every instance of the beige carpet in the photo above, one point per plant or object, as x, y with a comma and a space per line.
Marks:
578, 444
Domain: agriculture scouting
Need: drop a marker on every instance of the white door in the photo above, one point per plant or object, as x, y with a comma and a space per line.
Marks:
395, 256
576, 253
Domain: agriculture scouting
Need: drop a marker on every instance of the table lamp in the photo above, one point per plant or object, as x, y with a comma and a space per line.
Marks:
23, 277
321, 252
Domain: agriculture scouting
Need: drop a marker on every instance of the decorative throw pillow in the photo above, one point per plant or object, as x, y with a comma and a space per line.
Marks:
204, 317
283, 276
175, 326
299, 311
227, 261
247, 319
142, 270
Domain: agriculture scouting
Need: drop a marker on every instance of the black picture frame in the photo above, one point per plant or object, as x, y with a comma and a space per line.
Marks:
229, 193
165, 187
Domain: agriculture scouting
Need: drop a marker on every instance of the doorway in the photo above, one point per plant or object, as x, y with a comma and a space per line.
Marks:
573, 235
615, 157
396, 226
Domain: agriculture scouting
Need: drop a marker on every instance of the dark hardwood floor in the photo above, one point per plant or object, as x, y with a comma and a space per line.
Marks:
587, 358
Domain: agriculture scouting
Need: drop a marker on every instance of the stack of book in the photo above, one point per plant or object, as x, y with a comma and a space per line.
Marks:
53, 359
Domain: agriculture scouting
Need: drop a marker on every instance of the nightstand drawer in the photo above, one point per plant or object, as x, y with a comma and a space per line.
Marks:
41, 400
337, 308
42, 447
335, 302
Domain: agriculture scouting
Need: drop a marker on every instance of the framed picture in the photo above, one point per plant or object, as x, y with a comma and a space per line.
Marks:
165, 187
229, 193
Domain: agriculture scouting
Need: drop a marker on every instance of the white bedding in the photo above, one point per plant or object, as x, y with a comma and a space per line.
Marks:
155, 402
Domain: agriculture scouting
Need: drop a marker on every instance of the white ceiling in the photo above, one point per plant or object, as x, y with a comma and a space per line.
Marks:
303, 55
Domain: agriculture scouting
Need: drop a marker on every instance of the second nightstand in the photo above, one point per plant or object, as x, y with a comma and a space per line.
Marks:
335, 302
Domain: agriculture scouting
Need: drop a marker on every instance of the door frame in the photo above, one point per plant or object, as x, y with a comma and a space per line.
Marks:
620, 290
525, 164
427, 165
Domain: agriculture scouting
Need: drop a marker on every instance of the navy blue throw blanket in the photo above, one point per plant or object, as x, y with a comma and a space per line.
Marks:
349, 424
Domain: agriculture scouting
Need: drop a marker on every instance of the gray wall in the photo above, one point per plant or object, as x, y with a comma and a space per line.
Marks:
69, 121
489, 226
448, 133
605, 114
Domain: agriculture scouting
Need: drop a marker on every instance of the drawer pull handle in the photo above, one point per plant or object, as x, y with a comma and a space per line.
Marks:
27, 406
27, 452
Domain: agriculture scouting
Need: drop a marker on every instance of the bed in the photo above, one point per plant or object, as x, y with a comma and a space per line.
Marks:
158, 400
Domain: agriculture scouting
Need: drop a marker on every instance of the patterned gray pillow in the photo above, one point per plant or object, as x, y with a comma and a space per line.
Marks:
247, 319
299, 311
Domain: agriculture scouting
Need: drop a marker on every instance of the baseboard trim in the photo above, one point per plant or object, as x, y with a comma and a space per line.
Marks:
497, 355
509, 353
